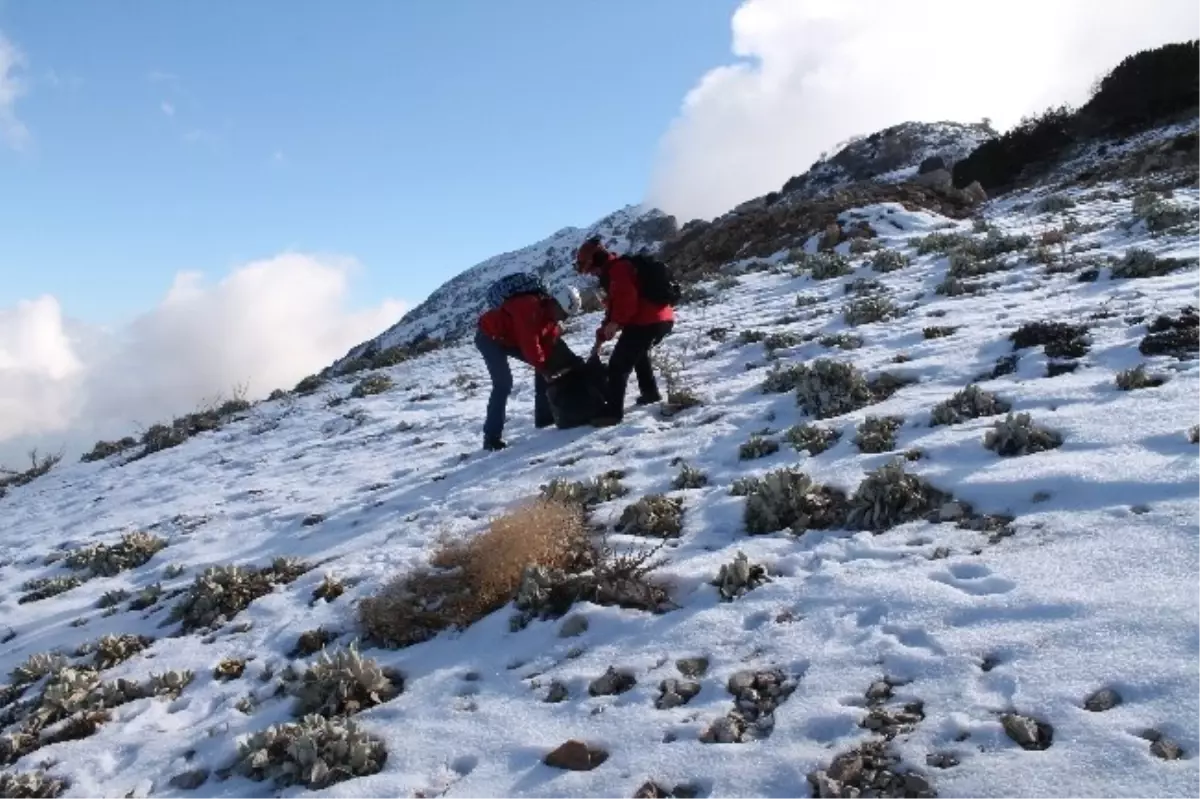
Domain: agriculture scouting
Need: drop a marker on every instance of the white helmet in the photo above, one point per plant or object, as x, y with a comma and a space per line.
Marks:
568, 299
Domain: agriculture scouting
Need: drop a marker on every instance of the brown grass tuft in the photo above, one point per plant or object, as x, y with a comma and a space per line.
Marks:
472, 577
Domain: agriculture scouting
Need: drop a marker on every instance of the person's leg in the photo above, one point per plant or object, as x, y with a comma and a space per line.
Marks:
542, 415
495, 357
647, 385
632, 345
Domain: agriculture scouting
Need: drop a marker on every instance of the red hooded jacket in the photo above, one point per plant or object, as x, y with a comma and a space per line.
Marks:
525, 323
625, 306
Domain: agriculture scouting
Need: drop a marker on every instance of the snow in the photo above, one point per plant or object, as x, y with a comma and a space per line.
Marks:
1096, 588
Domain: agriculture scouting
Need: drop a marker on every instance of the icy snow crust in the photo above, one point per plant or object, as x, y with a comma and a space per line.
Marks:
1097, 587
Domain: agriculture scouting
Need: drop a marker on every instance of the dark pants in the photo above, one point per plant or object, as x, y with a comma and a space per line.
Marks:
632, 354
495, 356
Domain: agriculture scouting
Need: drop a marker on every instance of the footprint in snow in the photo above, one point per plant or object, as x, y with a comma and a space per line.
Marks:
973, 578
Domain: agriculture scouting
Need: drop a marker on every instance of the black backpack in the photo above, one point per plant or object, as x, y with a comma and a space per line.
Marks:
655, 281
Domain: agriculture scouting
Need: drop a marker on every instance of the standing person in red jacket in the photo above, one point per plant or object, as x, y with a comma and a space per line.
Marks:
642, 324
525, 327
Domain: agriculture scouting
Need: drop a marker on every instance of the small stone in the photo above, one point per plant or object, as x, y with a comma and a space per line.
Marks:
941, 760
740, 682
941, 553
824, 786
1029, 733
575, 624
651, 790
1166, 749
915, 783
692, 667
669, 700
471, 676
1151, 734
685, 790
847, 768
576, 756
557, 692
951, 511
189, 780
1041, 496
313, 519
612, 682
879, 690
1102, 700
1140, 509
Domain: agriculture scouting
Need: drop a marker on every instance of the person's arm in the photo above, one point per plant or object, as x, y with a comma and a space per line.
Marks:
528, 327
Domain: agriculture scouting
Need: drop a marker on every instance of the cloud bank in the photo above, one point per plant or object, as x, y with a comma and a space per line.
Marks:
264, 326
816, 72
13, 132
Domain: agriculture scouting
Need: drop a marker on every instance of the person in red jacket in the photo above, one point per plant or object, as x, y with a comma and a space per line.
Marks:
642, 324
525, 327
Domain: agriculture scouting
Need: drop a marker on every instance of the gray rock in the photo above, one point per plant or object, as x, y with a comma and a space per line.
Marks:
576, 756
931, 164
938, 178
669, 700
692, 667
941, 760
1102, 700
1166, 749
951, 511
915, 783
190, 780
975, 193
740, 682
846, 769
575, 624
1029, 733
879, 690
612, 682
557, 692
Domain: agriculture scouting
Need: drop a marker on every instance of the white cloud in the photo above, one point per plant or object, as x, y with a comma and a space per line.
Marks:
167, 108
12, 130
816, 72
264, 326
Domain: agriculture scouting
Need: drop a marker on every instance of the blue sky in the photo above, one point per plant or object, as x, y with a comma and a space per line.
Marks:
418, 136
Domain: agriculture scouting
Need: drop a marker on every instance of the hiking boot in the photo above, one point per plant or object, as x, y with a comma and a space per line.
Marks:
494, 444
605, 420
540, 423
647, 400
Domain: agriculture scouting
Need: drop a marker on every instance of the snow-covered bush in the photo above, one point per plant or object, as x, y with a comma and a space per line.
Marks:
970, 403
585, 493
757, 447
310, 642
823, 265
1053, 204
1059, 339
862, 286
1159, 213
780, 340
843, 341
808, 300
371, 384
830, 388
781, 379
788, 499
889, 260
1141, 263
147, 597
344, 683
37, 666
689, 477
938, 331
750, 337
221, 592
739, 576
941, 243
1018, 435
889, 496
1135, 378
315, 752
329, 589
229, 669
113, 649
103, 560
964, 264
872, 308
46, 587
653, 515
1177, 336
811, 438
170, 683
878, 433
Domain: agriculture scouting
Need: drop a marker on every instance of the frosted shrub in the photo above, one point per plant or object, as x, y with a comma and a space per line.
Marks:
888, 496
102, 560
599, 489
941, 242
878, 433
1133, 379
938, 331
653, 515
863, 286
222, 592
830, 388
689, 477
750, 337
889, 260
1053, 204
1058, 339
970, 403
954, 287
1018, 435
1141, 263
37, 666
843, 341
31, 785
113, 649
169, 683
46, 587
344, 683
781, 379
736, 578
315, 752
788, 499
1158, 213
371, 384
808, 300
810, 438
229, 669
865, 310
757, 447
965, 264
780, 340
823, 265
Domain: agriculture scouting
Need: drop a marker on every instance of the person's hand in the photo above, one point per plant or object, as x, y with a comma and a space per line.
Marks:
610, 330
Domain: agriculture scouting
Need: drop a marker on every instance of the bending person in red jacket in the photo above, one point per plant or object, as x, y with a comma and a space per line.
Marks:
525, 327
642, 325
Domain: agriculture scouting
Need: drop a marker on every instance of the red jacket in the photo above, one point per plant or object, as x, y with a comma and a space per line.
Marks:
625, 306
525, 323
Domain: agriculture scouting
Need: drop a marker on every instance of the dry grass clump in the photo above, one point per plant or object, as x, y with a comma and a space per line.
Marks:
475, 576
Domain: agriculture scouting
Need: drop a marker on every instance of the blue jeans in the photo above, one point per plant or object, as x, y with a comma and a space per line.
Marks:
495, 357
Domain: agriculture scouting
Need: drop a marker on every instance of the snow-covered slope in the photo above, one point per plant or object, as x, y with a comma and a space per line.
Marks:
455, 306
1092, 584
